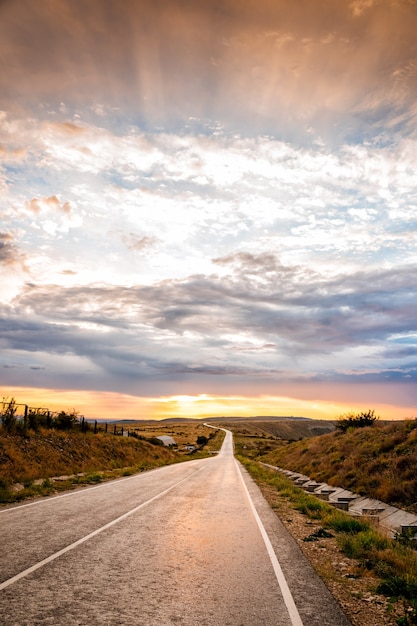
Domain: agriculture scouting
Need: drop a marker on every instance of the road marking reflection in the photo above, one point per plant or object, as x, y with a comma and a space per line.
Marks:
77, 543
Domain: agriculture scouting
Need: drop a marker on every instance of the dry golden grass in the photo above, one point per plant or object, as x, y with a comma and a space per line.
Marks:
378, 461
30, 461
282, 428
53, 453
184, 433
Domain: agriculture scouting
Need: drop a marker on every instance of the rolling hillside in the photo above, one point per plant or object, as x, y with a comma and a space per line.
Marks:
289, 429
378, 461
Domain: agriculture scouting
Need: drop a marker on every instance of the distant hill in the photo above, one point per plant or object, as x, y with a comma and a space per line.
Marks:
327, 425
286, 428
256, 418
289, 428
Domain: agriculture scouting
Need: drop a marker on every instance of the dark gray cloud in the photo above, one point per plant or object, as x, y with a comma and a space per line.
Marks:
187, 328
349, 309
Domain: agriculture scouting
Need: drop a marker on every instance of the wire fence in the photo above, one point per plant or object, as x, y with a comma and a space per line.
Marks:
20, 418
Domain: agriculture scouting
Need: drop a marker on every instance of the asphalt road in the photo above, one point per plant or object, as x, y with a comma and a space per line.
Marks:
190, 544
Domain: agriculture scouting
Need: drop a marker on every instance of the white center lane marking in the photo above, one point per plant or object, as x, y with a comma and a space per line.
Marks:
80, 492
56, 555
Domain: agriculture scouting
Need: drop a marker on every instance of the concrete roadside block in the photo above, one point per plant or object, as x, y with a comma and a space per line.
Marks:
388, 517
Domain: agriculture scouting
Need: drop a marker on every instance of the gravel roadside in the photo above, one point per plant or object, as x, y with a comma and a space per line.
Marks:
354, 590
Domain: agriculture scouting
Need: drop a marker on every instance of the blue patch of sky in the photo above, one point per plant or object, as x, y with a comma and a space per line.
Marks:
399, 226
30, 181
409, 340
384, 376
116, 178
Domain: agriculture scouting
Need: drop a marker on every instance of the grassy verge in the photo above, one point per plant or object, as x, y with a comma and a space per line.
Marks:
29, 488
393, 561
43, 463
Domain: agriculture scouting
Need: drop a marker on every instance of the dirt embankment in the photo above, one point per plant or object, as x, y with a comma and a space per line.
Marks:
378, 461
55, 453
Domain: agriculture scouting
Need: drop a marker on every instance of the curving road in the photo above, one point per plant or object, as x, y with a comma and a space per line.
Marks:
189, 544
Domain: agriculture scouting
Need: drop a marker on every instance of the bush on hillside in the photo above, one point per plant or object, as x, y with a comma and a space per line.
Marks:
66, 420
360, 420
8, 414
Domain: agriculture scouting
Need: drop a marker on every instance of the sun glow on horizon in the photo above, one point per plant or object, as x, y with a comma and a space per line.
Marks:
112, 405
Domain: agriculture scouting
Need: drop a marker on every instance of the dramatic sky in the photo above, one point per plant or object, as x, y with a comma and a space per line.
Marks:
209, 207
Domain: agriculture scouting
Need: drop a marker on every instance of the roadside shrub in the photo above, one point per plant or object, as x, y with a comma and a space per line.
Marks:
405, 589
399, 587
345, 524
310, 506
94, 478
360, 420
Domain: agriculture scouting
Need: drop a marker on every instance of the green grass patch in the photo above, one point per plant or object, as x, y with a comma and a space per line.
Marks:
393, 561
346, 524
365, 545
95, 477
310, 506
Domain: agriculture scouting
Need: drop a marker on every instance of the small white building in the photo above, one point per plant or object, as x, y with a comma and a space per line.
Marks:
167, 440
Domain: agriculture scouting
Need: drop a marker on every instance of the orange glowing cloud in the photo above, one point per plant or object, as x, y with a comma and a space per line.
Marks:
118, 406
313, 58
53, 203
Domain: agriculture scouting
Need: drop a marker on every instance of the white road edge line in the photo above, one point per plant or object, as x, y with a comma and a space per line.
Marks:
285, 590
283, 585
52, 557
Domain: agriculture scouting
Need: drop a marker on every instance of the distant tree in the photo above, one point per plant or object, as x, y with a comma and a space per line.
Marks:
66, 420
202, 440
8, 414
358, 420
